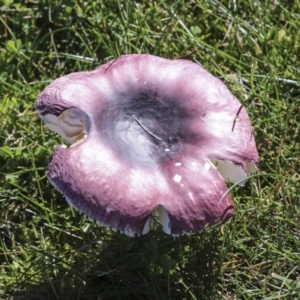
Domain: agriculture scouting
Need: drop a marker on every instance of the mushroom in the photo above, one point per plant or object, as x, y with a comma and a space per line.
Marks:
152, 139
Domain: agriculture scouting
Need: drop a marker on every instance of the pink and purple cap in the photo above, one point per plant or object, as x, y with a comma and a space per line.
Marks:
151, 139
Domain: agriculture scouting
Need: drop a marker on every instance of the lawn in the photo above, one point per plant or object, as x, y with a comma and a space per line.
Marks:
48, 250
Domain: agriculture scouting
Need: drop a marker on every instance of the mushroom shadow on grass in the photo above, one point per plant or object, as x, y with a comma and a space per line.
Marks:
149, 137
157, 266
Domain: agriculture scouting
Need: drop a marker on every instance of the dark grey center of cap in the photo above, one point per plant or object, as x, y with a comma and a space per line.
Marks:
146, 127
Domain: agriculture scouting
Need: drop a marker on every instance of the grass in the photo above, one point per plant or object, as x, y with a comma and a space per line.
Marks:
49, 251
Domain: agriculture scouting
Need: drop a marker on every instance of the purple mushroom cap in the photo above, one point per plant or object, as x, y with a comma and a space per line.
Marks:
151, 138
